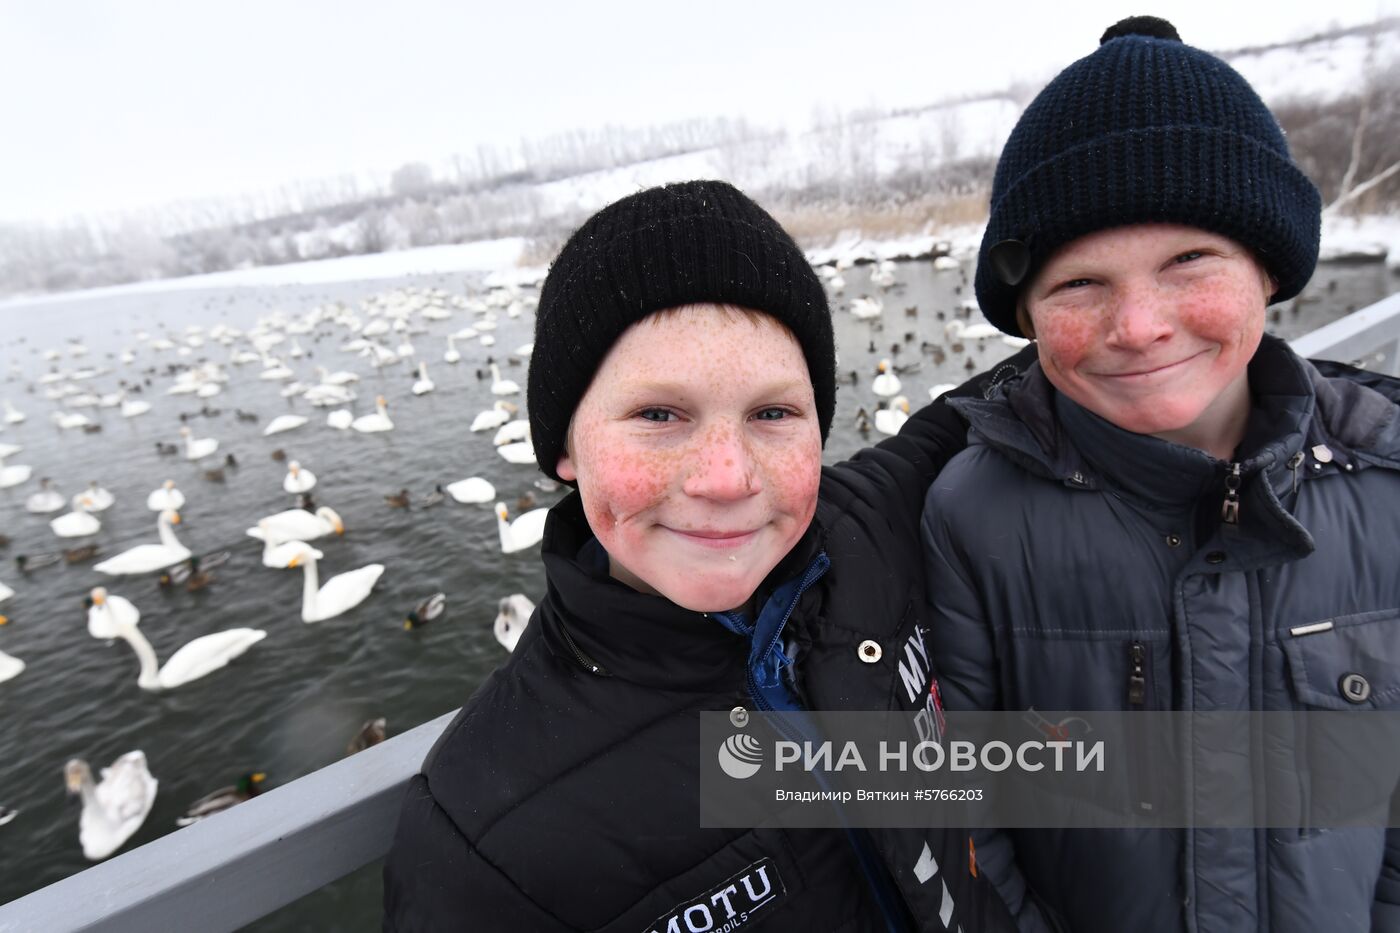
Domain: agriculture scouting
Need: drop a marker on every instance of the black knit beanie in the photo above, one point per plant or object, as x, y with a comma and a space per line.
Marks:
1146, 129
689, 243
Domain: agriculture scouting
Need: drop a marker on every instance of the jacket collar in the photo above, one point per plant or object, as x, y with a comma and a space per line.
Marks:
593, 621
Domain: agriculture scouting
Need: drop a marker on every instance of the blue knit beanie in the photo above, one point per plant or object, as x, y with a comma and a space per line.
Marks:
1146, 129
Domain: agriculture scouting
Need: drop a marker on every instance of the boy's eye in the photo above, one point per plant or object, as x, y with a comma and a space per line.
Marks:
1076, 283
656, 414
772, 414
1187, 256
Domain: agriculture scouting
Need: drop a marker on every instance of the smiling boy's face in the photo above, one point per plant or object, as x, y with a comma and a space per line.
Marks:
697, 453
1152, 328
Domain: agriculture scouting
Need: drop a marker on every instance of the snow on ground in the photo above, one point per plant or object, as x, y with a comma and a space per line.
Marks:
1376, 237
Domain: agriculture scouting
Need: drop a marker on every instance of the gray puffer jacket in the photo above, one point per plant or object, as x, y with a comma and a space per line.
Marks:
1069, 560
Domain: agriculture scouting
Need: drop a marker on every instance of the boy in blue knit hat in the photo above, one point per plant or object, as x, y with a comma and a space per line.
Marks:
1161, 513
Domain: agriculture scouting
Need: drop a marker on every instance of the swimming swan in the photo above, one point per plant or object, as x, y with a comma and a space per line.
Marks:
202, 656
114, 809
198, 448
298, 479
513, 614
298, 525
525, 531
341, 593
379, 421
166, 497
145, 558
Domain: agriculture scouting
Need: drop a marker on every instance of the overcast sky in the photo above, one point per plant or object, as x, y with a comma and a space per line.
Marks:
116, 105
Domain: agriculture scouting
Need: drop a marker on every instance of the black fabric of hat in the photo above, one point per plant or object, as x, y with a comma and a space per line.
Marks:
1146, 129
689, 243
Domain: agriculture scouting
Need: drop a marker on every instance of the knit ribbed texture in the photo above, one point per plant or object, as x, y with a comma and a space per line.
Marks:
1147, 130
695, 242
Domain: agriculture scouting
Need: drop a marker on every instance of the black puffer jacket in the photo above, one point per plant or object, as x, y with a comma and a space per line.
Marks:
564, 795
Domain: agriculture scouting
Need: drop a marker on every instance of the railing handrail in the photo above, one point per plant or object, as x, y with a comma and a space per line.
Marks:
227, 871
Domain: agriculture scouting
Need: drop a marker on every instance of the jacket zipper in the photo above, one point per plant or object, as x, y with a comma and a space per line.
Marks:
1230, 509
1294, 463
584, 661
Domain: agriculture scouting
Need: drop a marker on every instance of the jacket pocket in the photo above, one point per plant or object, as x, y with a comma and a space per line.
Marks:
1347, 662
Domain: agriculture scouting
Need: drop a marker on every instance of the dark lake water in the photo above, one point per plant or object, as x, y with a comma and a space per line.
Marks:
290, 705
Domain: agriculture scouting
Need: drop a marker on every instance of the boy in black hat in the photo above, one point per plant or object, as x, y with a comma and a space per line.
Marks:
1170, 510
683, 377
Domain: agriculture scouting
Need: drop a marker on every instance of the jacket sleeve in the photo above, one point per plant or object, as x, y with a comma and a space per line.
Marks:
1385, 912
898, 471
965, 662
435, 879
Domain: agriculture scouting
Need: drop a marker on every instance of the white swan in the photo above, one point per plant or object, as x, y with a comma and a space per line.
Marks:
77, 523
283, 423
958, 329
10, 667
452, 356
298, 525
5, 592
493, 417
198, 448
886, 383
11, 415
107, 614
379, 421
936, 390
9, 450
423, 385
278, 553
512, 615
340, 419
501, 386
298, 479
472, 490
342, 378
96, 498
114, 809
191, 661
132, 408
525, 531
521, 452
512, 432
341, 593
890, 420
14, 475
865, 308
145, 558
166, 497
45, 500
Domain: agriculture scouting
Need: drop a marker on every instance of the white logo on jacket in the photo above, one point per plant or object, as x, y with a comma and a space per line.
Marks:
728, 906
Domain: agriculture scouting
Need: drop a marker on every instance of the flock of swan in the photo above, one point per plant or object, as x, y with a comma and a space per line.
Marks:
379, 334
115, 805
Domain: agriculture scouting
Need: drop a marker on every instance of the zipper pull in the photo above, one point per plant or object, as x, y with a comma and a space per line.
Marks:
1230, 509
1294, 463
1137, 674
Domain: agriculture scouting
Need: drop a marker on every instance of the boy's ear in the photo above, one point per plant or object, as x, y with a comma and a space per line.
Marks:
565, 468
1023, 319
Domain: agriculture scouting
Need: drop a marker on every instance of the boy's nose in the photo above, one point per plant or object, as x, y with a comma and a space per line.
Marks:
722, 466
1141, 316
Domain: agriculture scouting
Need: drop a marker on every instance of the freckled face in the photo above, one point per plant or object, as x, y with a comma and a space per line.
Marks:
1152, 327
697, 453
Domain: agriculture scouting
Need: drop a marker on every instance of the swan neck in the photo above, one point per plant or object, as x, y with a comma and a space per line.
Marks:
310, 586
507, 539
167, 534
149, 678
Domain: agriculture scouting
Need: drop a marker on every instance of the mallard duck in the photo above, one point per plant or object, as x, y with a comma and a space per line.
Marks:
399, 500
371, 733
279, 455
28, 562
77, 554
426, 611
215, 475
526, 502
223, 798
197, 579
